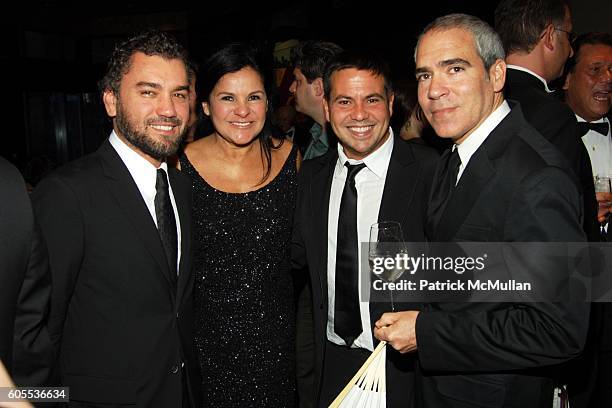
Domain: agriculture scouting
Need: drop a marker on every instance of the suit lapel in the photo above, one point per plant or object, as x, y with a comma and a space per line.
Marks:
182, 193
436, 203
397, 197
128, 198
480, 169
399, 190
320, 189
473, 180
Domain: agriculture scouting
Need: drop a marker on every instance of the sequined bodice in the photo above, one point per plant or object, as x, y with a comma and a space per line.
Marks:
244, 292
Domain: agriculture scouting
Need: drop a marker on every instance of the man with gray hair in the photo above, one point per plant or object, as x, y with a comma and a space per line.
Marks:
500, 182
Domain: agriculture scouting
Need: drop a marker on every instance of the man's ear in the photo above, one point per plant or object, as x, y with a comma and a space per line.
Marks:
110, 103
317, 87
548, 37
566, 83
497, 75
391, 99
326, 108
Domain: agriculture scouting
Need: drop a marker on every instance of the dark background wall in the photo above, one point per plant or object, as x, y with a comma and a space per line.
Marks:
54, 51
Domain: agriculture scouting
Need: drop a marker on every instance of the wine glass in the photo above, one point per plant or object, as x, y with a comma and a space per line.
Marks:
386, 241
603, 185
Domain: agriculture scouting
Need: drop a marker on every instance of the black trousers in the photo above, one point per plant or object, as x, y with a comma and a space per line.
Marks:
340, 365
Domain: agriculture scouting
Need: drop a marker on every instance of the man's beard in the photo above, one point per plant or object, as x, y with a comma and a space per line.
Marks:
147, 144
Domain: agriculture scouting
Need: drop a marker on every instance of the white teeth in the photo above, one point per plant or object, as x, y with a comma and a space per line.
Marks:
162, 127
360, 129
241, 124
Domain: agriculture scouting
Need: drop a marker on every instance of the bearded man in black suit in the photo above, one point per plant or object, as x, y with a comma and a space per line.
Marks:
118, 228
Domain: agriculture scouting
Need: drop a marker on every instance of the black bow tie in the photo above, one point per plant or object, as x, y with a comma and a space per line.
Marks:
601, 127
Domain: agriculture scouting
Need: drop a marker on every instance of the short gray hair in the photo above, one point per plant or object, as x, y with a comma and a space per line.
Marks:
488, 42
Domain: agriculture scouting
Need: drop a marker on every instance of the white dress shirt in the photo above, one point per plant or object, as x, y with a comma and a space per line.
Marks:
370, 183
600, 149
469, 146
145, 177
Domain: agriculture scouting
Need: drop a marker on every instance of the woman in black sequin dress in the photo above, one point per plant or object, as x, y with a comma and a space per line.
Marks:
244, 185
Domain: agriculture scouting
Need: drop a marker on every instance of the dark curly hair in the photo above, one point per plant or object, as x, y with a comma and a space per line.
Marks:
149, 42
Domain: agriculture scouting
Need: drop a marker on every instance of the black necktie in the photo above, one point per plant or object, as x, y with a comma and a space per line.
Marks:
166, 224
601, 127
450, 175
450, 161
347, 315
454, 162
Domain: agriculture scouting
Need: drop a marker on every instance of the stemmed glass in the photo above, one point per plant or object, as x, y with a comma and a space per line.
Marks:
603, 185
386, 241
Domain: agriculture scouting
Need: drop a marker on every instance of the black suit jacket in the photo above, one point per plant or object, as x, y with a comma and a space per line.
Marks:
25, 288
557, 123
404, 200
515, 188
123, 328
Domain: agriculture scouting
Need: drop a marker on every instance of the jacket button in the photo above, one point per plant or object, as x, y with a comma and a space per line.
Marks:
174, 369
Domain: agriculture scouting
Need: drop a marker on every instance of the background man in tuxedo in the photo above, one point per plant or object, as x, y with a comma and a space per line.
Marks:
587, 92
503, 182
537, 37
117, 224
588, 87
25, 288
372, 176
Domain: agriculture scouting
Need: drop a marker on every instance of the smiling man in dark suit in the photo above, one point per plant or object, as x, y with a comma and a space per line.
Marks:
500, 182
372, 176
118, 227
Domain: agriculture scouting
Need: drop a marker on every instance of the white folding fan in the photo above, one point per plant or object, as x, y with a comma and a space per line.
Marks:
367, 388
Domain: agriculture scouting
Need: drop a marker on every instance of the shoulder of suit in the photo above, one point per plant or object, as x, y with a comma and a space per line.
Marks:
534, 151
12, 185
180, 176
81, 174
313, 164
420, 151
9, 173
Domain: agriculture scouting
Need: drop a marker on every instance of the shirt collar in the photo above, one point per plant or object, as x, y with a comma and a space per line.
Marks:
600, 120
377, 161
143, 172
318, 134
469, 146
518, 68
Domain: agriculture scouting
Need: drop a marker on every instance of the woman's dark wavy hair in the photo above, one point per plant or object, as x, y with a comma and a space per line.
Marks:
232, 58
